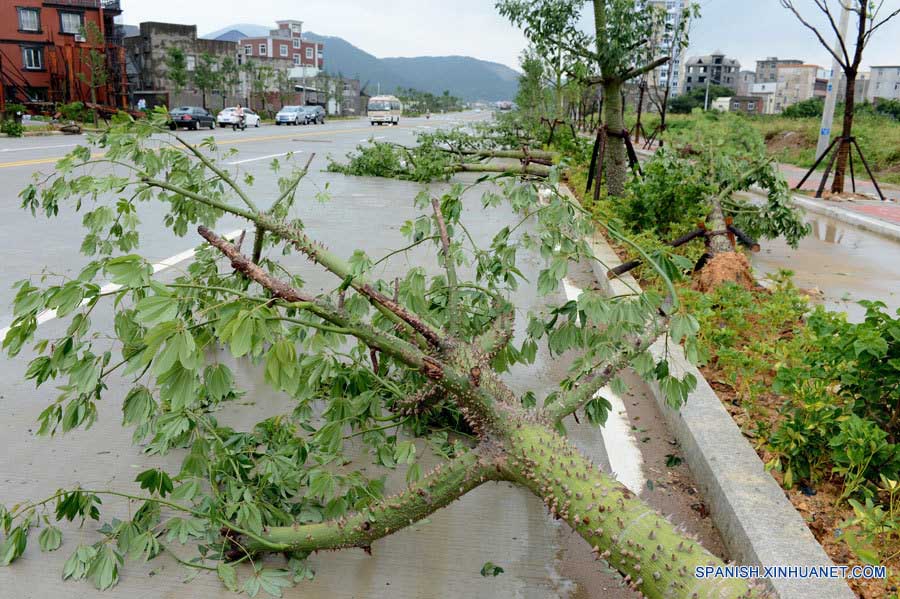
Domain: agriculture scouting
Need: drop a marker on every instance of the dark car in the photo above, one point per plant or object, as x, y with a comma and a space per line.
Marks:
314, 114
191, 117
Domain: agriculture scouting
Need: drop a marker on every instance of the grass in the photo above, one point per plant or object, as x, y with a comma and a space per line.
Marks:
793, 141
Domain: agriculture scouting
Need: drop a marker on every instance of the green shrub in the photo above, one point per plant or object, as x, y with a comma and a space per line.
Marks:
807, 108
74, 111
12, 128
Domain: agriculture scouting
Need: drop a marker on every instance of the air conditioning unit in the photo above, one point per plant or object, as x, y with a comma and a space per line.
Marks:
80, 38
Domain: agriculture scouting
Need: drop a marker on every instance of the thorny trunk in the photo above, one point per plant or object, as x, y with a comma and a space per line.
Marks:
837, 186
616, 158
515, 444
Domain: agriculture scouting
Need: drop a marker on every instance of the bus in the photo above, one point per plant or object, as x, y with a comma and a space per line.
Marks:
384, 109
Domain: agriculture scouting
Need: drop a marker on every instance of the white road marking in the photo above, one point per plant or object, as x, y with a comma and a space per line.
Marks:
371, 138
48, 315
622, 448
262, 158
37, 148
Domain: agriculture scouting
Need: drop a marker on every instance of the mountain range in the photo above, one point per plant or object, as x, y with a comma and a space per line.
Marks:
466, 77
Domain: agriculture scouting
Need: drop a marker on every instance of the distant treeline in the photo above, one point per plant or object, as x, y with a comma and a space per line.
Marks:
417, 102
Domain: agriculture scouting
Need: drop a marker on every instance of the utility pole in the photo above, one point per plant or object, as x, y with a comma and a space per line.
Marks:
833, 82
706, 99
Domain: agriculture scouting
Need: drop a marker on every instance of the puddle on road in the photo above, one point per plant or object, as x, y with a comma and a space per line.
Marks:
846, 263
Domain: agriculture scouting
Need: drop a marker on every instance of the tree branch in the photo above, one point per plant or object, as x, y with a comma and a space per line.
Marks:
260, 236
646, 68
584, 392
449, 266
788, 4
222, 174
436, 490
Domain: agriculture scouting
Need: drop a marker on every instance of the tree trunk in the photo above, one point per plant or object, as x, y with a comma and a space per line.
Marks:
94, 102
616, 158
837, 186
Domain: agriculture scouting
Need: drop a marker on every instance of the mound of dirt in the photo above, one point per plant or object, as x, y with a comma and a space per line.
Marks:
729, 267
789, 140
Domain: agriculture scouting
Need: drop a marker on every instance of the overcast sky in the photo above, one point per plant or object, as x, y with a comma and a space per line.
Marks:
745, 29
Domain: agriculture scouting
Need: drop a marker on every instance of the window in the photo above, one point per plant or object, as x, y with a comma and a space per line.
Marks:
751, 105
296, 59
262, 49
191, 62
71, 22
283, 50
248, 50
29, 19
296, 42
33, 58
309, 53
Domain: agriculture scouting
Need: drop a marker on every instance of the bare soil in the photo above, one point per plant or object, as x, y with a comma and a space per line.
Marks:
730, 267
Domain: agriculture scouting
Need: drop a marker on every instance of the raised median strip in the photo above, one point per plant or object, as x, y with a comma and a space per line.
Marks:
758, 524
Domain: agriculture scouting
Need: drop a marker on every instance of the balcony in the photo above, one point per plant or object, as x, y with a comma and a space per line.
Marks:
111, 5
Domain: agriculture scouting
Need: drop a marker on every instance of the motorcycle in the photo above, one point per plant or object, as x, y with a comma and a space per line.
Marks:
240, 123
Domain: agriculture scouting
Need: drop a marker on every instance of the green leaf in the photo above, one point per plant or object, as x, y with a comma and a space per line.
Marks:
50, 538
13, 546
228, 575
103, 570
491, 569
156, 308
155, 481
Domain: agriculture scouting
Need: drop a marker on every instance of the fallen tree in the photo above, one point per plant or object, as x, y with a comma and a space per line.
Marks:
424, 353
489, 148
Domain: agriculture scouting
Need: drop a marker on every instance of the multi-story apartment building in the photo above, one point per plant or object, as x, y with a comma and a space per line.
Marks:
884, 83
712, 69
745, 82
44, 51
767, 69
666, 46
147, 63
796, 83
285, 43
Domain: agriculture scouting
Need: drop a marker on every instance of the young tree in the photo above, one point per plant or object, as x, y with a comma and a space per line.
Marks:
619, 48
176, 68
423, 353
230, 78
96, 73
260, 80
869, 18
207, 75
285, 86
675, 37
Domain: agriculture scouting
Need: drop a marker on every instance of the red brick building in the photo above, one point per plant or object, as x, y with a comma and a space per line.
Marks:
285, 43
43, 49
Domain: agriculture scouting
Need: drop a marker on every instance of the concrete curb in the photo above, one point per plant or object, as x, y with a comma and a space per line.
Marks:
862, 221
758, 524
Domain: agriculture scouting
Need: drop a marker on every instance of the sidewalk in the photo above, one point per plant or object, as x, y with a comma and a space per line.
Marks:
863, 185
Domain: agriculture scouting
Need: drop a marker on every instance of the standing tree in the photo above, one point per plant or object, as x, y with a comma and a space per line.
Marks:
96, 73
285, 86
261, 78
675, 38
422, 354
230, 78
207, 75
620, 48
869, 18
176, 68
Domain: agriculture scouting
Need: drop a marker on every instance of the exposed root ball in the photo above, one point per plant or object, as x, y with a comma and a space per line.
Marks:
729, 267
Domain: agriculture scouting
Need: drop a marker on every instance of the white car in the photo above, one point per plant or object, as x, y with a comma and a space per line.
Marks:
227, 117
291, 115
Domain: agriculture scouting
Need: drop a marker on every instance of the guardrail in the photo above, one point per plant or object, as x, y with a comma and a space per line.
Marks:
105, 4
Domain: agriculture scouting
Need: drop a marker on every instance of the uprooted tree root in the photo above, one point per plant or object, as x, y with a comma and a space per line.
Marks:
728, 267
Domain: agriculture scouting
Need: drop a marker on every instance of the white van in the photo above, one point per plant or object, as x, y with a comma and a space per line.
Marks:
384, 109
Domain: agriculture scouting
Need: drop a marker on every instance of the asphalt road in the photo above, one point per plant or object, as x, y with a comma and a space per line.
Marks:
437, 558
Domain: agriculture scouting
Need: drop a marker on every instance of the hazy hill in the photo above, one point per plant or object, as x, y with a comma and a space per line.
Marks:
464, 76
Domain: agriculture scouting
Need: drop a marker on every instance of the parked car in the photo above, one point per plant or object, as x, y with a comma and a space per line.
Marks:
290, 115
191, 117
314, 114
227, 117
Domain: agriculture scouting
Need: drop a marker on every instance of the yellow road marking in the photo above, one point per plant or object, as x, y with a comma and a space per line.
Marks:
35, 161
